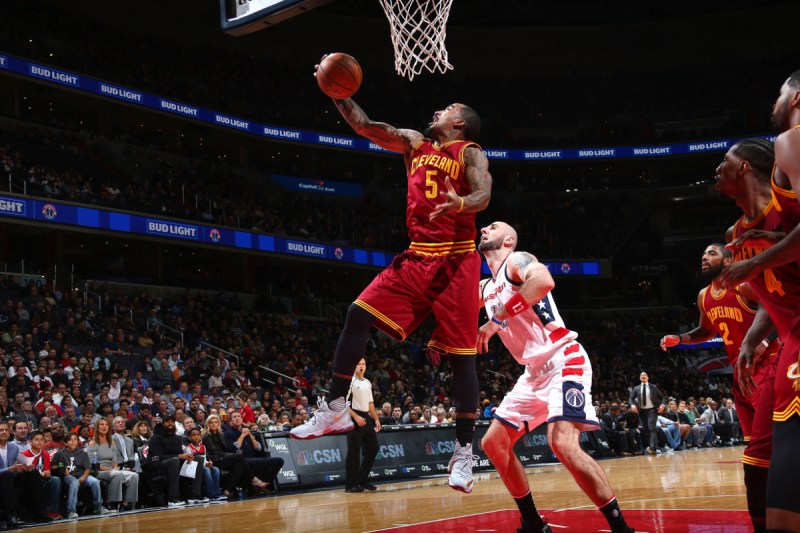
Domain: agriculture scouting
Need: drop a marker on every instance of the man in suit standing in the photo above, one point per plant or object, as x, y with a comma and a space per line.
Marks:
648, 401
8, 472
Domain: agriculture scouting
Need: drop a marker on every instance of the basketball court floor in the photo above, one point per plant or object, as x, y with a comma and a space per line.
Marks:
698, 491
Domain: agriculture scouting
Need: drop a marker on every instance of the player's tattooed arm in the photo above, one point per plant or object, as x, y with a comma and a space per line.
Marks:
534, 276
480, 186
382, 134
521, 260
479, 179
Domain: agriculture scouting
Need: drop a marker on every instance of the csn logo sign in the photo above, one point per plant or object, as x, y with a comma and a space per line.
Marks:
391, 451
531, 441
440, 447
325, 456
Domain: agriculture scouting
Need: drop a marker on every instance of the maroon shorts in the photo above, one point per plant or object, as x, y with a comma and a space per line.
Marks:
787, 379
756, 417
763, 376
415, 285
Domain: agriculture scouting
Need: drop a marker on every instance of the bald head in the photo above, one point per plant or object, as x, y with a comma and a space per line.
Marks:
497, 236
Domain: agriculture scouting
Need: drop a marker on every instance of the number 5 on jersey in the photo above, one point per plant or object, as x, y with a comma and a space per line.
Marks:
431, 187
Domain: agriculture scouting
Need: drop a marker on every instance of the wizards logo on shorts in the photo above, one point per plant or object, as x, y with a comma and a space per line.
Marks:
214, 235
49, 211
574, 400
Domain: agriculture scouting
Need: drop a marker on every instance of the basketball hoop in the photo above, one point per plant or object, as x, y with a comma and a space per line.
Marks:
418, 29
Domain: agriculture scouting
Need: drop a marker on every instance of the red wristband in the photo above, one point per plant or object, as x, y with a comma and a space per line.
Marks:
516, 304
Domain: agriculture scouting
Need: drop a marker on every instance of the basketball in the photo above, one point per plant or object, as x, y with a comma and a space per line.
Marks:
339, 75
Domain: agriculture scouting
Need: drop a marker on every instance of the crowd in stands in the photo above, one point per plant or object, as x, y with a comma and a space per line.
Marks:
59, 165
72, 381
66, 368
683, 425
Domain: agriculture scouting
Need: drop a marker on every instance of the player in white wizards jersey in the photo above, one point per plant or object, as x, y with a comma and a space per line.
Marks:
555, 387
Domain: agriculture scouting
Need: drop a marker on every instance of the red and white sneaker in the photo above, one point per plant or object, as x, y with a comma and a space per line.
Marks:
326, 421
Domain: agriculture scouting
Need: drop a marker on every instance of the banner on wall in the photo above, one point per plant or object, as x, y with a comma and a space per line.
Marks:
405, 452
44, 211
129, 95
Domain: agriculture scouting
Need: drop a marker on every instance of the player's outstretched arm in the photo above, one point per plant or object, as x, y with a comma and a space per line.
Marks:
384, 135
703, 332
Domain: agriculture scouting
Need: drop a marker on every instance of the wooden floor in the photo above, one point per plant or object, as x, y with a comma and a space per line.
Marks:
704, 479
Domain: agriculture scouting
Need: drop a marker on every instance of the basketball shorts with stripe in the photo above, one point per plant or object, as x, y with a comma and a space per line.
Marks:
560, 390
414, 286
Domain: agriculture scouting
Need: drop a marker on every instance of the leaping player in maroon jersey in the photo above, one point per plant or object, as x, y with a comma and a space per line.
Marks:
448, 182
731, 313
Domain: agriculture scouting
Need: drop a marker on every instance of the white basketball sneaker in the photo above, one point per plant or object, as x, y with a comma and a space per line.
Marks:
460, 468
326, 421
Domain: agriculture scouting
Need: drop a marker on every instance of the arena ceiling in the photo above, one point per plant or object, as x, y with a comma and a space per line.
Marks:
487, 37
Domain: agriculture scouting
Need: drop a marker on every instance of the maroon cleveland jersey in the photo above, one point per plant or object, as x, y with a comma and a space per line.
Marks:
777, 288
428, 166
731, 315
779, 291
786, 204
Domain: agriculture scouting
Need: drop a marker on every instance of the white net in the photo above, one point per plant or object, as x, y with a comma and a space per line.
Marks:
419, 28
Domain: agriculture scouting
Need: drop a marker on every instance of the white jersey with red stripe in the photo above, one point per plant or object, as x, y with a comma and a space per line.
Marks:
535, 335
